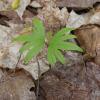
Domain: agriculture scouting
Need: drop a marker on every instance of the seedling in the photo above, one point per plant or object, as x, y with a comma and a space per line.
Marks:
35, 42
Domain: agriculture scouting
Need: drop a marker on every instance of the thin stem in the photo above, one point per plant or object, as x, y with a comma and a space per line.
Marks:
18, 61
38, 81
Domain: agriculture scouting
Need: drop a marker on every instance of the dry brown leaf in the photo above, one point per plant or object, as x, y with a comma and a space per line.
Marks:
17, 86
23, 4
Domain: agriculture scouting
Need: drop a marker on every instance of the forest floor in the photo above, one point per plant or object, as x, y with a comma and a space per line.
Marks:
78, 78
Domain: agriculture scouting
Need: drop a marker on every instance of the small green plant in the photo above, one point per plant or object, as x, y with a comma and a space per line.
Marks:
60, 43
35, 42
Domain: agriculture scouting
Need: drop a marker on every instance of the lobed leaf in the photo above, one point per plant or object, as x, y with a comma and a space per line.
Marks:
33, 43
60, 42
38, 27
23, 38
69, 46
32, 53
59, 56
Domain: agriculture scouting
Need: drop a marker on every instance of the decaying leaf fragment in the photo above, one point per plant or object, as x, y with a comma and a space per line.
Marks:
79, 4
23, 4
53, 17
17, 86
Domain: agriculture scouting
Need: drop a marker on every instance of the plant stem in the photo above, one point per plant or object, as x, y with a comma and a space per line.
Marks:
18, 61
38, 81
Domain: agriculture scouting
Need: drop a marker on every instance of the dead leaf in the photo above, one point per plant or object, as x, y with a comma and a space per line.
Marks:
75, 20
88, 37
22, 7
95, 18
80, 4
17, 86
35, 4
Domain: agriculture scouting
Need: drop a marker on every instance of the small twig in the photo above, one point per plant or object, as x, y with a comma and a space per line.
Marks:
18, 61
38, 81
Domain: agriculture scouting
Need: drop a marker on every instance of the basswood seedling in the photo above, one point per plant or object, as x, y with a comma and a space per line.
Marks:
35, 42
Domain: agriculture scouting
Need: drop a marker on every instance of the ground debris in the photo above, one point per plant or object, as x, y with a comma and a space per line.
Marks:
78, 78
80, 4
53, 17
77, 82
88, 37
16, 86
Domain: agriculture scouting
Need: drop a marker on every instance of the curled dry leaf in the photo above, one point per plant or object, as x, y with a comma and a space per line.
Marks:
89, 38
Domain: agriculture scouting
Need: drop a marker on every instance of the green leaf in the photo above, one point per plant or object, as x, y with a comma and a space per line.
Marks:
69, 46
59, 56
48, 37
34, 42
25, 47
22, 38
68, 36
62, 32
60, 42
32, 53
51, 58
38, 27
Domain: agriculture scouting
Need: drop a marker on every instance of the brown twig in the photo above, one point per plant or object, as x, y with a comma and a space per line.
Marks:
18, 61
38, 81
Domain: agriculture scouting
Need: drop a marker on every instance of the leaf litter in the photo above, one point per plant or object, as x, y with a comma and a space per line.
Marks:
81, 79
